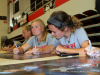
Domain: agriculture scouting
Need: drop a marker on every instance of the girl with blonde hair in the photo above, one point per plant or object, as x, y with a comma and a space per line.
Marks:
40, 39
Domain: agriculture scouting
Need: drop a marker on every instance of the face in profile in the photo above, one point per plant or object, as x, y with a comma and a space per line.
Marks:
56, 32
26, 33
36, 28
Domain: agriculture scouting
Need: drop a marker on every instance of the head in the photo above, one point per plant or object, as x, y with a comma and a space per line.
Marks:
97, 6
9, 43
60, 23
27, 32
39, 29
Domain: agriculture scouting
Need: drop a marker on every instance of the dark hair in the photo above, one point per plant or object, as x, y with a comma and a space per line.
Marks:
62, 19
9, 41
97, 5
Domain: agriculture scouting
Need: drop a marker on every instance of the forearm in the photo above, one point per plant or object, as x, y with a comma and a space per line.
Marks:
24, 48
81, 51
4, 49
13, 47
30, 49
21, 50
48, 49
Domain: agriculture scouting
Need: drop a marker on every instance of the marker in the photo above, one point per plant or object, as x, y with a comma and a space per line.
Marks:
91, 48
15, 44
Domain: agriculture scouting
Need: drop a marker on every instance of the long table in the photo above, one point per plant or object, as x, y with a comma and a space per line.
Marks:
48, 64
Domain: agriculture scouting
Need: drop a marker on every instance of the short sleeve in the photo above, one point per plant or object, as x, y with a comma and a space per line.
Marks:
81, 35
18, 43
55, 42
49, 39
25, 41
30, 41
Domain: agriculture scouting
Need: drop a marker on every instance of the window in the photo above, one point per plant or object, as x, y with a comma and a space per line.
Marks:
38, 4
32, 5
16, 7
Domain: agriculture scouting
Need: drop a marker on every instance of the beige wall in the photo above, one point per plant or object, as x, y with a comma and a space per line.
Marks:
72, 7
3, 12
24, 5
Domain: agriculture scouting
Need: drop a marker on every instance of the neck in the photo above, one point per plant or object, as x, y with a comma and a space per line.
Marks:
67, 33
28, 37
39, 38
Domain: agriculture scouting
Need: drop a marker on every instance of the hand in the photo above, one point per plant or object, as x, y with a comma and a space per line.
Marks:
38, 51
28, 52
95, 51
59, 49
16, 50
5, 48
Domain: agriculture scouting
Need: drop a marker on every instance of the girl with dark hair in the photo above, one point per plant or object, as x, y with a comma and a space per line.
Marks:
70, 37
9, 45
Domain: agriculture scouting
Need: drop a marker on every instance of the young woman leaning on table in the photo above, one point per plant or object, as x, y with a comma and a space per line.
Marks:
70, 37
9, 45
40, 39
27, 33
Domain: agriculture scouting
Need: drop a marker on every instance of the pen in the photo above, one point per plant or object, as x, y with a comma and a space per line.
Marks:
91, 48
15, 44
90, 45
35, 47
35, 44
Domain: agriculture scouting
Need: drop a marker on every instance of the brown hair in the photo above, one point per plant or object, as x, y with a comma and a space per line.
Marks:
28, 28
63, 17
44, 34
77, 24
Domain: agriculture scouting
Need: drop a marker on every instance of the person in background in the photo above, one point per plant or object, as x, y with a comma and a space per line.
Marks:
70, 36
95, 50
27, 33
40, 39
9, 45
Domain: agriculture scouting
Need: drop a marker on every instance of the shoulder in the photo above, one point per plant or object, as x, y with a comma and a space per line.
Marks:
50, 36
32, 37
25, 41
17, 42
79, 30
